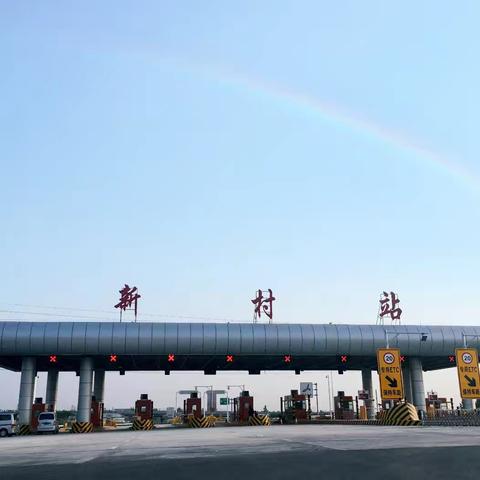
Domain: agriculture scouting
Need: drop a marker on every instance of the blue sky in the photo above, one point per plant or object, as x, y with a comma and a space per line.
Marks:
180, 147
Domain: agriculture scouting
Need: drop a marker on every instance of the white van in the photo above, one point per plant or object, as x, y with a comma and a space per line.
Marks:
47, 422
7, 424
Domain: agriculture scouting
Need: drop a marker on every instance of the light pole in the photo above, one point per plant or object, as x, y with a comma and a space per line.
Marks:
316, 395
329, 397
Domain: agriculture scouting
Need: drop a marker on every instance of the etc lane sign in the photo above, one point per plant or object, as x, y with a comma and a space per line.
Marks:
467, 368
390, 373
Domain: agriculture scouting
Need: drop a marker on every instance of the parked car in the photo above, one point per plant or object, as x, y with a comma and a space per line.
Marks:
47, 422
7, 424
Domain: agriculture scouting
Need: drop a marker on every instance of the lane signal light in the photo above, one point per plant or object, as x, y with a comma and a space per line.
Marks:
287, 358
53, 359
230, 358
343, 358
171, 357
451, 358
402, 358
113, 358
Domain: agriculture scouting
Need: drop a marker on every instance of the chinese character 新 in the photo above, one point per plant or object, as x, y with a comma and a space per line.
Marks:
263, 303
128, 297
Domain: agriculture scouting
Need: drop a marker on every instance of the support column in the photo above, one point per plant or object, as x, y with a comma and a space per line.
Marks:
85, 390
407, 384
27, 390
99, 385
51, 392
367, 385
418, 390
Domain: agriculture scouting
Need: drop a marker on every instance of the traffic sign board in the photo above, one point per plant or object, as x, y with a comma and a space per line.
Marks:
467, 368
390, 373
306, 388
223, 401
363, 395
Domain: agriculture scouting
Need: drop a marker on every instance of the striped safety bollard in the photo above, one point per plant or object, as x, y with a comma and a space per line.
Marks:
259, 420
202, 422
402, 414
82, 427
139, 424
24, 430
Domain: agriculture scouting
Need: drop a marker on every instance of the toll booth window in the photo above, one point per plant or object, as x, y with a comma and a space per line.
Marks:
143, 409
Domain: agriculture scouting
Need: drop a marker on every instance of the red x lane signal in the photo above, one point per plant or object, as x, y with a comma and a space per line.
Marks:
171, 357
113, 358
287, 358
402, 358
229, 358
343, 358
451, 358
53, 359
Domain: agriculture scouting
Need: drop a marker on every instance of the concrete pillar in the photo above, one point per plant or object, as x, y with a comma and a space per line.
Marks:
418, 390
367, 385
85, 390
99, 385
467, 403
27, 390
407, 384
51, 392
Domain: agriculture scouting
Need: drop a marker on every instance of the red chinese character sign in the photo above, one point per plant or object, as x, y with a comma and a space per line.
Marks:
128, 296
389, 306
263, 304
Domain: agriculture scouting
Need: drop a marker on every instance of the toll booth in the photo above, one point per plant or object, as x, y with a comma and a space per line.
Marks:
144, 408
243, 407
37, 408
436, 406
343, 407
295, 407
96, 413
192, 406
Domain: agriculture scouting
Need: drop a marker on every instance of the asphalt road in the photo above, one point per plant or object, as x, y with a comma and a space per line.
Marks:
277, 452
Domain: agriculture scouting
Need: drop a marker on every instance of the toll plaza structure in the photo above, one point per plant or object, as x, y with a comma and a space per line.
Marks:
243, 407
344, 409
143, 419
91, 348
437, 405
96, 413
37, 408
295, 407
144, 408
192, 406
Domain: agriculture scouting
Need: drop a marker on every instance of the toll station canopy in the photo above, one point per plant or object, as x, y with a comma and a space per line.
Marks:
225, 346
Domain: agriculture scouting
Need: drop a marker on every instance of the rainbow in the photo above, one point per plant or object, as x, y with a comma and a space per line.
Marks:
334, 115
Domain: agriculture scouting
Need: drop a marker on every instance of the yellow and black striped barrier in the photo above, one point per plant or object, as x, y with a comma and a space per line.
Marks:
259, 420
24, 430
402, 414
139, 424
202, 422
82, 427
